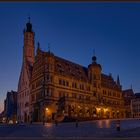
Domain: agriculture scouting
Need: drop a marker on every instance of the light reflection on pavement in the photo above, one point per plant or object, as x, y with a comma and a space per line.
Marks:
98, 129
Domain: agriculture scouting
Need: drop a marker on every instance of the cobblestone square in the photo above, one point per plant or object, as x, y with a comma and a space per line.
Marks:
91, 129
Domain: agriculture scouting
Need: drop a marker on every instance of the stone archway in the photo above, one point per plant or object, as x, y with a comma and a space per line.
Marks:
94, 112
35, 115
113, 114
71, 110
87, 112
107, 114
25, 117
102, 113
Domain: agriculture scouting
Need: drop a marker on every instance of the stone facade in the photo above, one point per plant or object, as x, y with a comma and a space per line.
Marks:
128, 96
51, 87
10, 107
25, 75
59, 86
135, 106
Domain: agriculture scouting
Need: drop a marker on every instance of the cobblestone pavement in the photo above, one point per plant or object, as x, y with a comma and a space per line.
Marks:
91, 129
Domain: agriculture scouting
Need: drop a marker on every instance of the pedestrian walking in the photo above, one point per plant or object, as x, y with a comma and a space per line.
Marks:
76, 122
118, 125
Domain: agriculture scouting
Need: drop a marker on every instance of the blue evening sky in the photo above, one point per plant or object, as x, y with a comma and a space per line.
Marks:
73, 30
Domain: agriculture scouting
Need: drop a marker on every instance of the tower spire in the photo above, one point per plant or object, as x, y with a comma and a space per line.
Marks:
38, 48
49, 50
38, 45
29, 25
131, 86
118, 80
29, 43
94, 57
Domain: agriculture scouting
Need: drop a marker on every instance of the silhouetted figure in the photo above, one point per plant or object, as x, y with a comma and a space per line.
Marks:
31, 119
118, 125
31, 122
56, 122
76, 123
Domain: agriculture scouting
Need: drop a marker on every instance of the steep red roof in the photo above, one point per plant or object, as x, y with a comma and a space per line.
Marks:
71, 69
128, 93
79, 72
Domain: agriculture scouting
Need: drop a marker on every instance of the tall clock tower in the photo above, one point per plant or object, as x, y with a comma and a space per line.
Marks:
28, 49
23, 113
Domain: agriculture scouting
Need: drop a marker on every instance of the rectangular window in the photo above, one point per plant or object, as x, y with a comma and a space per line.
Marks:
73, 85
67, 95
94, 84
82, 87
74, 95
59, 81
63, 82
94, 93
59, 94
67, 83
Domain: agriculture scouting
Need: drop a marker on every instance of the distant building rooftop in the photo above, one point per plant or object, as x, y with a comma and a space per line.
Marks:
137, 95
128, 93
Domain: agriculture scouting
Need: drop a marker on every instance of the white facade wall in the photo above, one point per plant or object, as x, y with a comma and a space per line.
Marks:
23, 97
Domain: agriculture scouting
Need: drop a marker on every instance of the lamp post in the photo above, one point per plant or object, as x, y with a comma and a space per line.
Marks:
47, 109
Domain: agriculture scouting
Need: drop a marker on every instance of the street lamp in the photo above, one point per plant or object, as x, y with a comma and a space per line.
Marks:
105, 109
47, 109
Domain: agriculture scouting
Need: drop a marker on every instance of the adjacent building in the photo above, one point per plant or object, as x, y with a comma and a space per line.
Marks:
59, 86
10, 107
135, 106
50, 87
128, 95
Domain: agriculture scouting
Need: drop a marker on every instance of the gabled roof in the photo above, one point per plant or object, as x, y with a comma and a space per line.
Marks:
128, 93
26, 68
108, 82
73, 70
70, 69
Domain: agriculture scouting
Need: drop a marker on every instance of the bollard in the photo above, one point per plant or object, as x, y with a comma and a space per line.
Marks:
76, 123
118, 126
31, 122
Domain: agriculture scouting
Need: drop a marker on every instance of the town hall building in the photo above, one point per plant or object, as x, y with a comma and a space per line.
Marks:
51, 87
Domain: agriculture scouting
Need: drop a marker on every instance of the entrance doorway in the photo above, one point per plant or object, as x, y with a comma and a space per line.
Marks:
25, 117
